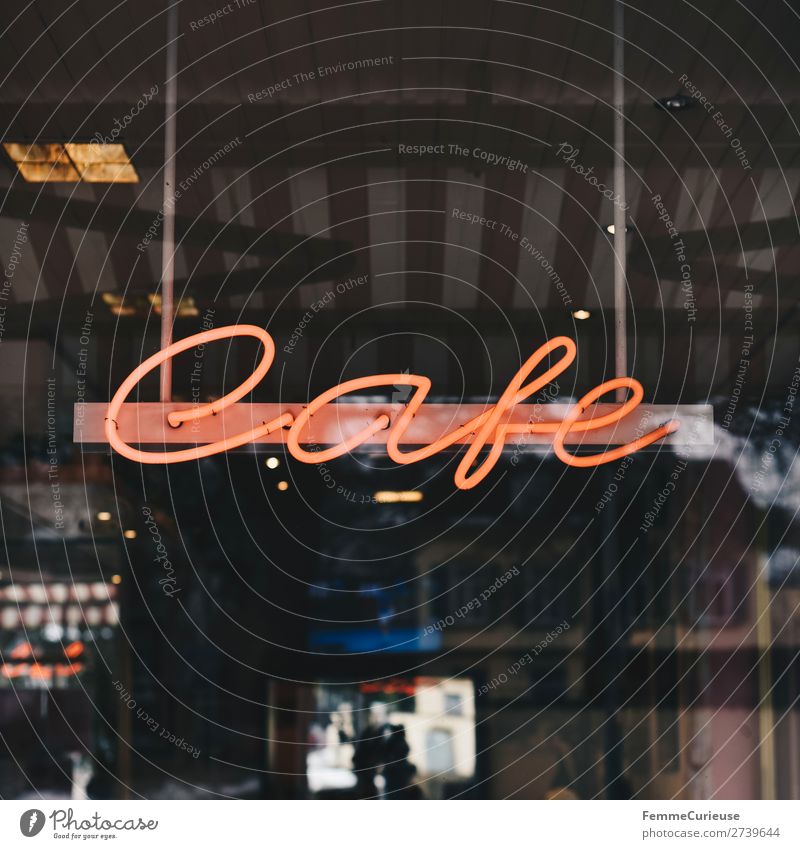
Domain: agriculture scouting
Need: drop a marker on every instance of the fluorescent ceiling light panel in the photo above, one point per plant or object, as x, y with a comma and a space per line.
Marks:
43, 163
86, 154
48, 172
69, 163
109, 172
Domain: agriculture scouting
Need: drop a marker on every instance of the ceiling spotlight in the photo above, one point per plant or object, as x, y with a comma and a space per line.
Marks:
675, 103
104, 516
116, 579
272, 462
129, 534
581, 315
283, 486
612, 229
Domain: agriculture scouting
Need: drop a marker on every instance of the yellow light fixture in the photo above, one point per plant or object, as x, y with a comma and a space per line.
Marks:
35, 152
47, 172
184, 308
43, 163
115, 305
72, 162
581, 315
283, 486
102, 163
123, 312
116, 579
272, 462
388, 496
104, 516
129, 534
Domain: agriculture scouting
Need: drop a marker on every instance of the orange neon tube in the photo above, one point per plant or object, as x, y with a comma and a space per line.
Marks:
615, 453
491, 426
176, 419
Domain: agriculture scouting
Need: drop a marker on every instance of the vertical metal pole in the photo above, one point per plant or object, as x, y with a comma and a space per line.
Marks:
620, 246
168, 208
124, 713
766, 680
611, 615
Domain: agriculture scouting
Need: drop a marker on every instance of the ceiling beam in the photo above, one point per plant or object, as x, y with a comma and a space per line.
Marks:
137, 223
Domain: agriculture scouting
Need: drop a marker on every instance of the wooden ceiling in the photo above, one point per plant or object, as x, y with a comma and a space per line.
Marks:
321, 155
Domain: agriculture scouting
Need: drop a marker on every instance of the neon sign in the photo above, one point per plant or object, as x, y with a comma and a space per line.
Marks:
490, 428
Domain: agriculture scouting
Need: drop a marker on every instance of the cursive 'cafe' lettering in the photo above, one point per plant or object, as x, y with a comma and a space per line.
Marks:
490, 428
